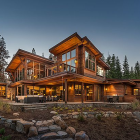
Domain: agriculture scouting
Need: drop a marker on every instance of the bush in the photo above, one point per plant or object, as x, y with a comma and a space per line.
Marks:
2, 131
5, 138
119, 115
81, 117
99, 117
135, 104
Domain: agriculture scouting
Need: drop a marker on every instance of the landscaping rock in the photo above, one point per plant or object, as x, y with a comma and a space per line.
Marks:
32, 131
50, 136
47, 123
16, 114
39, 123
71, 131
61, 123
81, 136
55, 118
55, 128
42, 130
62, 134
90, 116
54, 112
34, 121
23, 126
75, 113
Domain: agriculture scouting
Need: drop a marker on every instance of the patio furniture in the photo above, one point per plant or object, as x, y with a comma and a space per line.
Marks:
31, 99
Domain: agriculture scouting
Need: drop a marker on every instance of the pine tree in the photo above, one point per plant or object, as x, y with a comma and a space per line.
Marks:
108, 61
125, 68
4, 54
132, 73
118, 69
113, 67
137, 70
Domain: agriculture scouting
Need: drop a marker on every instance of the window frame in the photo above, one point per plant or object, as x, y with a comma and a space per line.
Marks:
90, 61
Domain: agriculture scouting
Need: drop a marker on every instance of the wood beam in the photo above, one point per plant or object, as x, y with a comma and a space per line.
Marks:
66, 91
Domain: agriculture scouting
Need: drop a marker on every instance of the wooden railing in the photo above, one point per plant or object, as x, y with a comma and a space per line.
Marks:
60, 67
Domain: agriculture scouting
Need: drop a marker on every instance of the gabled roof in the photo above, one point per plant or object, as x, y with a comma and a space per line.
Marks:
74, 40
20, 56
105, 65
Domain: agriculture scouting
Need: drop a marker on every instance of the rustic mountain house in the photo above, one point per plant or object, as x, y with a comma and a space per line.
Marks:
77, 74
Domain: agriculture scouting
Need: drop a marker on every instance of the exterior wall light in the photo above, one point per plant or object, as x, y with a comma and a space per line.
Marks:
75, 60
60, 66
69, 87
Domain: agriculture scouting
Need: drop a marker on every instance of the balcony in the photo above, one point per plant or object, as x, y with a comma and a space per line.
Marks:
59, 68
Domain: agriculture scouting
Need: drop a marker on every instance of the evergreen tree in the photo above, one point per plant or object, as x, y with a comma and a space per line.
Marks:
118, 69
137, 70
4, 54
132, 73
125, 68
33, 51
113, 67
108, 61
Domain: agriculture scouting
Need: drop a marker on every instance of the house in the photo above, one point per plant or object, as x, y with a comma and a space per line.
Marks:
76, 74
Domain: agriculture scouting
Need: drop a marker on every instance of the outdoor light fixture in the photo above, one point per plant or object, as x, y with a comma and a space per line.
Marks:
60, 66
75, 60
69, 87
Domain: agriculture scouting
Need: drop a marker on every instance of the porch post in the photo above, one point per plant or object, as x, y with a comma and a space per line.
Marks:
82, 89
25, 70
25, 90
66, 91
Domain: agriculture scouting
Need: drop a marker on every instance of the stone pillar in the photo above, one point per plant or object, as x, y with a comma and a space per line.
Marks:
82, 95
66, 91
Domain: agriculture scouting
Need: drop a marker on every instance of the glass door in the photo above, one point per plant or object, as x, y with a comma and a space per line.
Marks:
89, 93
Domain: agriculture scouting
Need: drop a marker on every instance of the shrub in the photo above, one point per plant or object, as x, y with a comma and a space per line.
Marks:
2, 131
81, 117
7, 108
5, 138
99, 117
94, 109
119, 115
135, 104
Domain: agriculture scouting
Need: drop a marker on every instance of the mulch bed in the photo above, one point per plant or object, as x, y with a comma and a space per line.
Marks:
108, 128
14, 135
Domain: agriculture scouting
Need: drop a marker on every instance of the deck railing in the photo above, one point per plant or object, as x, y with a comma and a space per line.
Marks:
60, 67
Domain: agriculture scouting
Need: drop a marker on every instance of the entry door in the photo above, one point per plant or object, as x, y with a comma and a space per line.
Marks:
97, 93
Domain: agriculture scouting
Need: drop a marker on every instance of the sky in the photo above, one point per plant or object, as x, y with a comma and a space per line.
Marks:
113, 26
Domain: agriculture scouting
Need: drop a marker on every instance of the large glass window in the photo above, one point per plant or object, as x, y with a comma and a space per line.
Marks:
64, 57
89, 92
100, 71
89, 61
136, 92
2, 91
35, 70
77, 89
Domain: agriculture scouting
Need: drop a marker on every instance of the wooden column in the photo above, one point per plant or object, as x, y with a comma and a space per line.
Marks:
25, 69
82, 95
25, 90
66, 91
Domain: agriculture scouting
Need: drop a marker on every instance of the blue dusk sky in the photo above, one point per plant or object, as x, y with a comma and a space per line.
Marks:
112, 25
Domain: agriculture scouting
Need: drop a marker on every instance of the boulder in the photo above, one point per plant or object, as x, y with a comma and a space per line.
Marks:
62, 134
39, 123
49, 136
32, 131
55, 128
16, 114
61, 123
71, 131
55, 118
23, 126
47, 123
54, 112
81, 136
42, 130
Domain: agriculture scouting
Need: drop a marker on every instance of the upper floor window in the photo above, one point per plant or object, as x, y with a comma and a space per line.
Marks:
69, 55
89, 61
100, 71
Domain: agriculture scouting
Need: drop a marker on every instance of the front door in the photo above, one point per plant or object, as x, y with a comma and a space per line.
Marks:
89, 93
97, 93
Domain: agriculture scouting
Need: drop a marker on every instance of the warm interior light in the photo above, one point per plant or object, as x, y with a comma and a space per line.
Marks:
69, 87
87, 86
50, 89
106, 89
44, 94
38, 94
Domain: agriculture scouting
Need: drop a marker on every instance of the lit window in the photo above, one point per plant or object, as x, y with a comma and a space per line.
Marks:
136, 91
